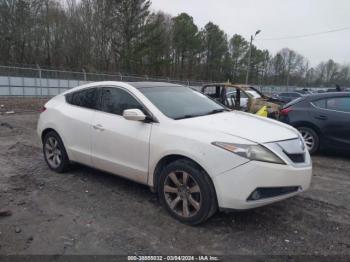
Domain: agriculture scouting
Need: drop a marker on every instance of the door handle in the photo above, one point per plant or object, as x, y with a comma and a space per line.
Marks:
321, 117
98, 127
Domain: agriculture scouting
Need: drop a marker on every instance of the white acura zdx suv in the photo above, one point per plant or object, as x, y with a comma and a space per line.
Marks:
196, 154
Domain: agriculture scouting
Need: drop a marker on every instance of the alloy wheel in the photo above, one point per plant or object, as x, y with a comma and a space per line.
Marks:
53, 152
309, 139
182, 194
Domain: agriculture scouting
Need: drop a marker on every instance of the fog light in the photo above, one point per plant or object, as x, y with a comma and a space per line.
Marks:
255, 195
267, 192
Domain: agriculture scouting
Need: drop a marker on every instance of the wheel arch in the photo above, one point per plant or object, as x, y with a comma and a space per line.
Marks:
309, 125
321, 141
166, 160
46, 131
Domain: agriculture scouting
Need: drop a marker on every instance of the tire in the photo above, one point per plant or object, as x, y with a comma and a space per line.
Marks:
190, 187
55, 153
311, 138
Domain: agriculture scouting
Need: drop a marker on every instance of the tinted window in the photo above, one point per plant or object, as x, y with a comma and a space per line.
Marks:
213, 91
180, 102
294, 102
210, 90
339, 104
295, 95
116, 100
85, 98
320, 103
284, 94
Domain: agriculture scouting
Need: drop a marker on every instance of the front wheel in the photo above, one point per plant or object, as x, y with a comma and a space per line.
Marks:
311, 139
186, 192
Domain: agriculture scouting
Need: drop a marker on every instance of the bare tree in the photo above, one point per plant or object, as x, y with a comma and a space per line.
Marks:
124, 35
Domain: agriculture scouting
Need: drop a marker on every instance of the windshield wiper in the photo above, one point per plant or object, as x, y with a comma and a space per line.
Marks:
186, 116
215, 111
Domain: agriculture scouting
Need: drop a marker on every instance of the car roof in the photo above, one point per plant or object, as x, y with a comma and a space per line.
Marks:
136, 85
146, 84
326, 95
226, 85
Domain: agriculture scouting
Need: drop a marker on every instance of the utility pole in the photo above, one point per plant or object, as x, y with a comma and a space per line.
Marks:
250, 55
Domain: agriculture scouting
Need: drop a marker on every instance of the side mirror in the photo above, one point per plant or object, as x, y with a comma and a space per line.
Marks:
134, 114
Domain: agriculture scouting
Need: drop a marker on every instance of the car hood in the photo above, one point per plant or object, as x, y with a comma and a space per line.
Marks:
244, 125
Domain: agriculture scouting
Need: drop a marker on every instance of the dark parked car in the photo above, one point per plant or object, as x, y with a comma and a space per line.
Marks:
288, 96
304, 91
322, 119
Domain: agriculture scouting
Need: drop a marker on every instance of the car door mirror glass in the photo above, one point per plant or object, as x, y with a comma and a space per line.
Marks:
134, 114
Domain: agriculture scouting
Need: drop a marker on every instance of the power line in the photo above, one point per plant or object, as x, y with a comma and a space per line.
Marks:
305, 35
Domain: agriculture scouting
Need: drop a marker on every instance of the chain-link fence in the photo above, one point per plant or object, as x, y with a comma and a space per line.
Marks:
21, 81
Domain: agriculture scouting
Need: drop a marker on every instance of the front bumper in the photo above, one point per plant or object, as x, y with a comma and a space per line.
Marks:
234, 187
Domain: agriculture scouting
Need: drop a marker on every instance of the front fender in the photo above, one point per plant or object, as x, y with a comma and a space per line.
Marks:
212, 159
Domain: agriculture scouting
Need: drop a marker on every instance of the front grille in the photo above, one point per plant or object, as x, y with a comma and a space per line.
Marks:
296, 158
294, 149
267, 192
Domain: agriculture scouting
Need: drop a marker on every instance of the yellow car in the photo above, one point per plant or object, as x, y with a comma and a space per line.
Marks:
243, 97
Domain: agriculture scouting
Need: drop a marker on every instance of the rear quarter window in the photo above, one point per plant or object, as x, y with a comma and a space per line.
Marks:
87, 98
69, 98
294, 102
321, 103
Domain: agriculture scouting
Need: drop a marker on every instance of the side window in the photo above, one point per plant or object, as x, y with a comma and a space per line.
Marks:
87, 98
212, 91
243, 95
232, 92
116, 100
320, 103
339, 104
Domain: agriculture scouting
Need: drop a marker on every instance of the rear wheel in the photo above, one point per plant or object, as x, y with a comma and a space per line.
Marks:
54, 152
187, 192
311, 139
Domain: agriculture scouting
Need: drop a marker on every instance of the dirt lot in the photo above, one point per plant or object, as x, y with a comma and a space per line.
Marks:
89, 212
21, 104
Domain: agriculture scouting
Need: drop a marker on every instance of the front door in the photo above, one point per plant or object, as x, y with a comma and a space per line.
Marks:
120, 146
333, 116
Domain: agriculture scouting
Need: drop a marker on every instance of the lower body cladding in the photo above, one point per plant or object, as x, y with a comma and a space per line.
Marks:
256, 184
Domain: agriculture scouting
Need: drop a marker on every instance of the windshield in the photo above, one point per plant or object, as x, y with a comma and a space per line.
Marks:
293, 102
181, 102
253, 93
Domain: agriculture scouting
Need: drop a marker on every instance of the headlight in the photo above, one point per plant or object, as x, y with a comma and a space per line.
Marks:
252, 152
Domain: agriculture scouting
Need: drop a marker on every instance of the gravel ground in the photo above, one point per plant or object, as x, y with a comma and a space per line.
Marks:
21, 104
86, 211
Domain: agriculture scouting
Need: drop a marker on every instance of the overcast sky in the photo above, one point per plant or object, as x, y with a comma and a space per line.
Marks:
276, 18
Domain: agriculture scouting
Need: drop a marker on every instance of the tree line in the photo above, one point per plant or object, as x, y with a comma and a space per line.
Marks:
126, 36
